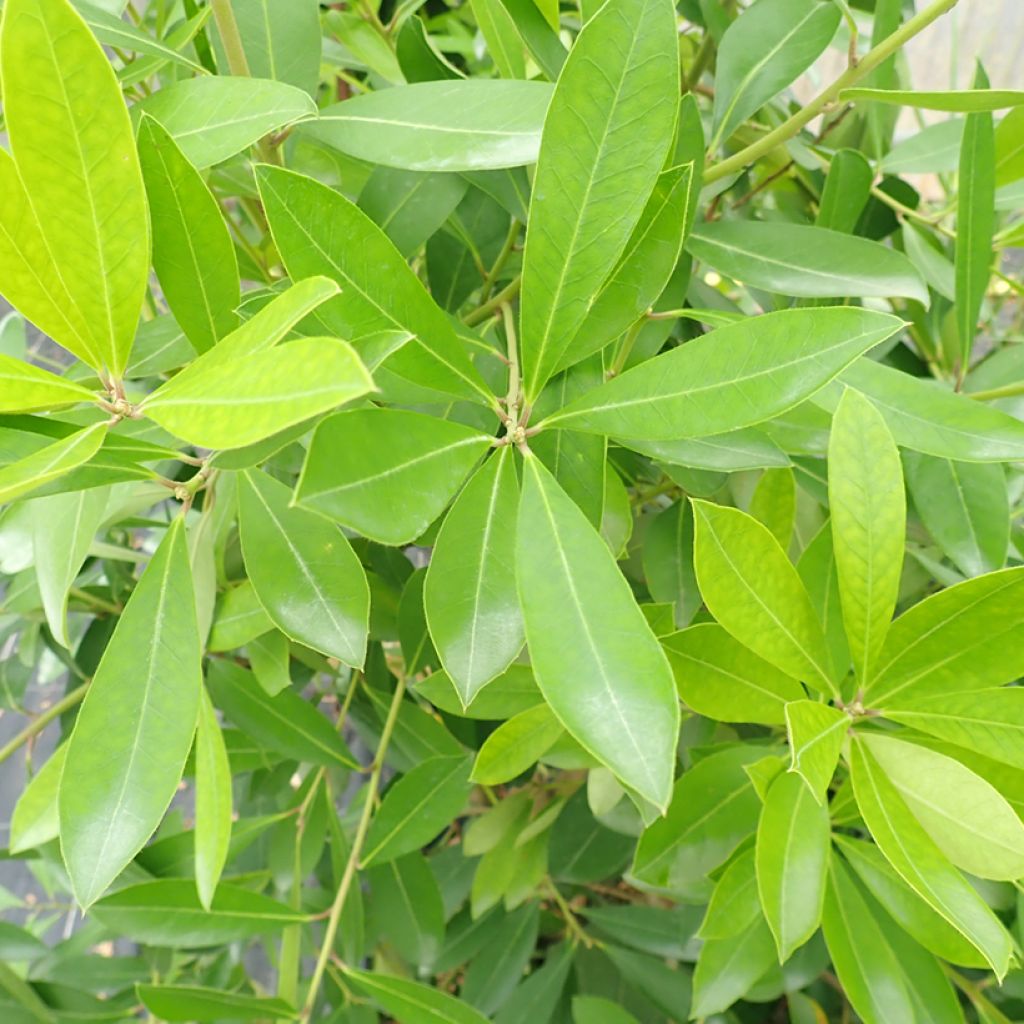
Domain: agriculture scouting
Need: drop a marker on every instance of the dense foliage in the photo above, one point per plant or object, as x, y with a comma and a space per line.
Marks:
521, 523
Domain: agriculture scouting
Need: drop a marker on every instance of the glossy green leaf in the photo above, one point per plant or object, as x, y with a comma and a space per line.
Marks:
193, 253
212, 118
762, 52
596, 661
806, 261
920, 863
516, 745
605, 142
213, 802
816, 736
440, 126
134, 731
417, 808
75, 152
303, 571
385, 472
720, 678
513, 691
752, 589
734, 377
27, 388
792, 862
411, 1003
868, 508
193, 1003
965, 637
966, 101
34, 820
239, 618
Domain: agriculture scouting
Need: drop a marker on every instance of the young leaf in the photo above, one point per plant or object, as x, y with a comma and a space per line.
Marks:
469, 594
868, 508
752, 589
27, 388
213, 802
816, 735
792, 855
605, 141
303, 571
75, 152
387, 473
34, 820
516, 745
134, 730
597, 663
50, 462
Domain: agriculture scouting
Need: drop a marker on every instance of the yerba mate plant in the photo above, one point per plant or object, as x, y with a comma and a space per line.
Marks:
521, 518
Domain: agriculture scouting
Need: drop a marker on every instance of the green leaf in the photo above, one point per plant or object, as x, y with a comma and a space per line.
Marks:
193, 1003
440, 126
34, 820
966, 101
364, 467
806, 261
303, 571
419, 58
763, 51
27, 388
230, 405
605, 141
417, 808
73, 146
792, 856
64, 527
816, 735
728, 968
134, 730
668, 562
733, 377
868, 508
595, 1010
597, 662
168, 913
735, 904
539, 35
214, 117
285, 723
920, 863
969, 821
516, 745
411, 1003
968, 636
213, 802
470, 594
753, 590
512, 692
318, 231
499, 33
114, 31
846, 192
1010, 148
494, 971
193, 254
281, 43
721, 679
50, 462
537, 997
239, 619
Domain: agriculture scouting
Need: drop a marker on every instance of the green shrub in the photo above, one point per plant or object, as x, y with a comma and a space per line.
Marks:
526, 525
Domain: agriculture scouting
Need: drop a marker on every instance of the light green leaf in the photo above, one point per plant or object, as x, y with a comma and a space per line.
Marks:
239, 618
469, 595
868, 508
304, 571
74, 150
440, 126
605, 141
597, 662
213, 802
735, 904
134, 730
920, 863
417, 808
792, 855
753, 590
387, 473
733, 377
27, 388
769, 46
193, 254
499, 32
50, 462
114, 31
1010, 148
816, 734
539, 35
773, 503
411, 1003
735, 451
966, 101
516, 745
721, 679
214, 117
230, 405
728, 968
595, 1010
806, 261
194, 1003
513, 691
968, 636
668, 562
281, 42
34, 820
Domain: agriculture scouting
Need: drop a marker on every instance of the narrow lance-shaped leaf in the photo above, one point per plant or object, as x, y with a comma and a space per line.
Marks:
516, 745
134, 730
34, 820
213, 802
470, 591
816, 735
868, 508
51, 462
411, 1003
194, 1003
28, 388
597, 663
605, 141
75, 152
965, 101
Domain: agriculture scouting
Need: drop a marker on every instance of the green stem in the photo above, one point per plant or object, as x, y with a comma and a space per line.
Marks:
38, 724
851, 76
227, 27
352, 864
1006, 391
627, 347
499, 264
481, 313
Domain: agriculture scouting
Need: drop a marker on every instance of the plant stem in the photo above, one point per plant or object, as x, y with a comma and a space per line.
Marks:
351, 865
38, 724
885, 49
1005, 391
227, 27
481, 313
499, 264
